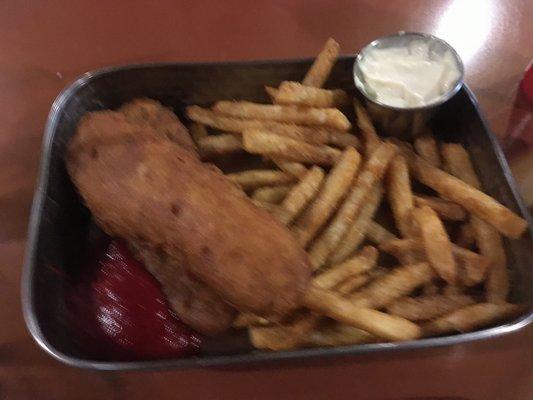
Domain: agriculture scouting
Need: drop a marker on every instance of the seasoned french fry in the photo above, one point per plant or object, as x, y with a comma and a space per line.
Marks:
397, 283
274, 112
298, 94
260, 142
351, 284
272, 194
300, 196
264, 205
426, 308
338, 335
375, 322
473, 200
444, 208
364, 123
291, 167
319, 71
488, 240
358, 230
309, 134
471, 317
197, 131
378, 234
244, 320
255, 178
213, 145
372, 172
334, 189
361, 263
426, 146
400, 195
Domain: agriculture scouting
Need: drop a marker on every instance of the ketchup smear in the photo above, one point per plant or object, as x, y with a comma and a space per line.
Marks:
118, 311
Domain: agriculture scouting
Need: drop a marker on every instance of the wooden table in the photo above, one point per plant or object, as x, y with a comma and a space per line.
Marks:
45, 45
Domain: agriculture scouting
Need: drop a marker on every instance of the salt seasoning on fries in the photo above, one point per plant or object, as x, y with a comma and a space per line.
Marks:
299, 196
372, 172
274, 112
487, 238
358, 230
335, 188
261, 142
319, 72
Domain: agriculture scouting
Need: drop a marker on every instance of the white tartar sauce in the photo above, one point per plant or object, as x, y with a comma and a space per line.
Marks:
408, 76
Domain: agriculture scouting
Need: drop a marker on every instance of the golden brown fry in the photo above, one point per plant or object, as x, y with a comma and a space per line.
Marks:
426, 308
473, 200
333, 191
298, 94
488, 240
310, 134
198, 131
274, 112
264, 205
214, 145
338, 335
471, 317
437, 245
272, 93
400, 195
378, 234
260, 142
244, 320
272, 194
351, 284
397, 283
358, 230
361, 263
291, 167
364, 123
444, 208
300, 196
255, 178
372, 172
378, 323
318, 74
426, 146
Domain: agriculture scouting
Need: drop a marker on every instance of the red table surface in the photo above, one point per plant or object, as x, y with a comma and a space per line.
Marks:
44, 45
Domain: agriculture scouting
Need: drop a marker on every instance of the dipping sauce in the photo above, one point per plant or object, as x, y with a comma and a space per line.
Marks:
408, 76
117, 311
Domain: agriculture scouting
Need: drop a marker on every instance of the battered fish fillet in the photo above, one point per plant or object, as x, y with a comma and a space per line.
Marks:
156, 193
147, 112
196, 305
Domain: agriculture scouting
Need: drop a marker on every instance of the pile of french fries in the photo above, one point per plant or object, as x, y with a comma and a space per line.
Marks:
329, 183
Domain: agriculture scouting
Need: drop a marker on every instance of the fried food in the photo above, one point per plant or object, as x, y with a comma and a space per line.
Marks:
444, 208
254, 178
299, 196
198, 131
195, 303
260, 142
294, 168
168, 199
319, 72
378, 234
426, 308
298, 115
338, 335
364, 123
400, 195
333, 190
215, 145
426, 146
488, 240
298, 94
272, 194
147, 112
437, 245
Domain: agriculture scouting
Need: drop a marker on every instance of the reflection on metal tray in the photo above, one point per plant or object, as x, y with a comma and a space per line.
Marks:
59, 224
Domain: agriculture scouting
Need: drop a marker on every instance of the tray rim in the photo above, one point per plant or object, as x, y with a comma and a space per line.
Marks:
253, 357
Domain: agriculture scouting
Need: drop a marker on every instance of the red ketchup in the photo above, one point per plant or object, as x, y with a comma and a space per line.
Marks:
118, 311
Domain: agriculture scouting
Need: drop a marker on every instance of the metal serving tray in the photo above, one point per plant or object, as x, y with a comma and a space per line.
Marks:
59, 223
